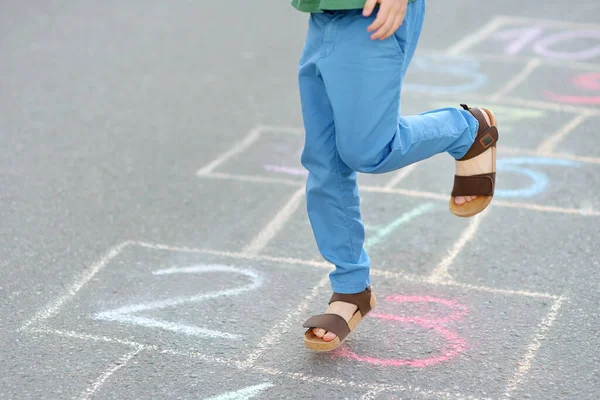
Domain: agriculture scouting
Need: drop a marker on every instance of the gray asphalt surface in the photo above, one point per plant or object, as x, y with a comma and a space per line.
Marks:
126, 274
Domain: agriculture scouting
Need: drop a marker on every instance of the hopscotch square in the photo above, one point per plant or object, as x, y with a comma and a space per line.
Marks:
425, 332
212, 303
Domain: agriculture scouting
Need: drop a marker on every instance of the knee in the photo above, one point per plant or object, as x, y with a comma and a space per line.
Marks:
357, 156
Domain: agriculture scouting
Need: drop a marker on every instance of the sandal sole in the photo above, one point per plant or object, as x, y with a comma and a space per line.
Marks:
315, 343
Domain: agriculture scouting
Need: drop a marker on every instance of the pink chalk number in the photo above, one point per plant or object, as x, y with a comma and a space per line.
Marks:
454, 343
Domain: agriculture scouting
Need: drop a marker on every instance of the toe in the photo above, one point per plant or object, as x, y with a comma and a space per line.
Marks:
319, 332
329, 336
460, 200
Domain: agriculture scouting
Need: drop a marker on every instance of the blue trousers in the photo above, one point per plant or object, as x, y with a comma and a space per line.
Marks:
350, 90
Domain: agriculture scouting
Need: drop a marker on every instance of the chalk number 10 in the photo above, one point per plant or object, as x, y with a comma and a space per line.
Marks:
542, 44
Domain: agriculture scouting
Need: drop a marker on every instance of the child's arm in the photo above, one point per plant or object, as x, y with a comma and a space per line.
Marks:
389, 17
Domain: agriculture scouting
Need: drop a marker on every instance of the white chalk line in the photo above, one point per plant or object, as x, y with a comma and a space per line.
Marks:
287, 130
476, 37
232, 152
425, 195
548, 145
532, 349
441, 273
282, 261
278, 330
276, 224
517, 80
124, 314
54, 306
401, 175
259, 369
97, 384
372, 394
243, 394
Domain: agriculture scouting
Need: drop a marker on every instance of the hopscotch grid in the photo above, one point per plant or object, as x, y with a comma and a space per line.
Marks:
261, 369
249, 364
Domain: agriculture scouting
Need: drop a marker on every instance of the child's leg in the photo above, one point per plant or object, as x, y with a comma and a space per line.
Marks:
363, 79
331, 192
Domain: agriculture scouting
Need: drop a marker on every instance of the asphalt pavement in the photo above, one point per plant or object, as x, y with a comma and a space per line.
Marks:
154, 240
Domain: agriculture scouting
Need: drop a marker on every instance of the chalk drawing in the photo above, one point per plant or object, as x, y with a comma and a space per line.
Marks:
383, 232
244, 394
542, 45
466, 68
539, 179
126, 315
286, 170
455, 343
586, 82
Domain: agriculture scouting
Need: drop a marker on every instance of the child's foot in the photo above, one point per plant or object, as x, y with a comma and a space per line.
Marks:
477, 165
345, 310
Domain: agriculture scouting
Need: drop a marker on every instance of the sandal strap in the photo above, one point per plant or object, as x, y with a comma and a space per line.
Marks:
475, 185
362, 300
331, 323
487, 135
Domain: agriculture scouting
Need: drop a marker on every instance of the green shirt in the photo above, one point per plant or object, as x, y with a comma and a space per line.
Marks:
319, 5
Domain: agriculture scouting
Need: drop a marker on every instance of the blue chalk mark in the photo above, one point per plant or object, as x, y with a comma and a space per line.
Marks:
385, 231
539, 179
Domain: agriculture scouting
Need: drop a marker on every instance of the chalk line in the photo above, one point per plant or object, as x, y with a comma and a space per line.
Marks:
517, 80
384, 232
274, 226
235, 150
288, 130
372, 394
282, 261
253, 179
244, 394
548, 145
440, 273
476, 37
401, 175
281, 328
532, 349
90, 391
54, 306
83, 336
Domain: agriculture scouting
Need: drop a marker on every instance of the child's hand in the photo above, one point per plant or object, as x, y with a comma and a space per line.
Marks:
389, 18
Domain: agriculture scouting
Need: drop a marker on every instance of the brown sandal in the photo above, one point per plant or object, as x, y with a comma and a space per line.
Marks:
481, 185
365, 301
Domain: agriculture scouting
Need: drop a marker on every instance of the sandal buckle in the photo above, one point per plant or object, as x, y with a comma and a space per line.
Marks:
486, 141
